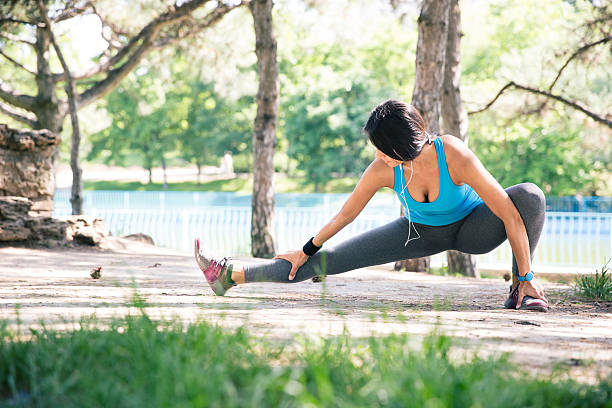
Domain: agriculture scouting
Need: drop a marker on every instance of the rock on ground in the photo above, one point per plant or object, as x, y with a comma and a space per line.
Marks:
18, 224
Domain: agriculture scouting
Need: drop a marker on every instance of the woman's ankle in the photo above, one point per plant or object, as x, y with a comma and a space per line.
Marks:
238, 274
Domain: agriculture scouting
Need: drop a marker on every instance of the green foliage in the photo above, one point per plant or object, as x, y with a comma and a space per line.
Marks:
213, 124
135, 362
338, 60
328, 91
188, 120
143, 121
521, 138
324, 133
597, 286
551, 158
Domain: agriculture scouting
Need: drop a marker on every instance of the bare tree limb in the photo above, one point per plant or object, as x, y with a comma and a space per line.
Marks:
70, 11
112, 40
148, 31
16, 63
574, 104
574, 55
14, 98
14, 38
141, 44
25, 119
16, 21
488, 105
208, 21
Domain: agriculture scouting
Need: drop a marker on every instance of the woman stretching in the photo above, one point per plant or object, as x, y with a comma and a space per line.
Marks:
450, 200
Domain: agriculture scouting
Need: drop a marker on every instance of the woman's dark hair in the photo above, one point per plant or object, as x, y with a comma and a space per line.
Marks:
396, 129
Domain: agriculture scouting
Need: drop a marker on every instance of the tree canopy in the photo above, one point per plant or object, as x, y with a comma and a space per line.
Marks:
191, 102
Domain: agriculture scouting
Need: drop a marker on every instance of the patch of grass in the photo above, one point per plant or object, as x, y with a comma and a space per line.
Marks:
242, 184
136, 362
597, 286
444, 271
230, 185
559, 296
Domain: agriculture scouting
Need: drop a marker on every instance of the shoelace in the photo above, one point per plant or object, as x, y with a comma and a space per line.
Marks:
214, 268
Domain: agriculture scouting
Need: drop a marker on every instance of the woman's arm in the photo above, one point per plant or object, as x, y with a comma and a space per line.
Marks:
466, 168
373, 179
376, 176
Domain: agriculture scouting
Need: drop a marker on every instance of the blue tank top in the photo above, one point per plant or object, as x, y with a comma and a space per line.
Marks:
453, 203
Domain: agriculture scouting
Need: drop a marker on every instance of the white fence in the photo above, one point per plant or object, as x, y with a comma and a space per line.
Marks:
568, 239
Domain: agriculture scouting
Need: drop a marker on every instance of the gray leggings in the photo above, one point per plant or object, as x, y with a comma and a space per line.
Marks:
478, 233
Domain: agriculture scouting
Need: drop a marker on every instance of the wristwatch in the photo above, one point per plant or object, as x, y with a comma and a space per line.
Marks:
527, 277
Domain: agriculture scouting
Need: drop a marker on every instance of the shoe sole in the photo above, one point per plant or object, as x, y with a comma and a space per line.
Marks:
536, 307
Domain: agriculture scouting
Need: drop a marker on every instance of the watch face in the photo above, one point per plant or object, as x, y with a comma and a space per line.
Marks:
529, 276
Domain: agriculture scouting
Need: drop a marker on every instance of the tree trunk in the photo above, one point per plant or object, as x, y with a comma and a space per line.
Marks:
76, 198
426, 97
430, 56
199, 173
49, 111
264, 134
454, 118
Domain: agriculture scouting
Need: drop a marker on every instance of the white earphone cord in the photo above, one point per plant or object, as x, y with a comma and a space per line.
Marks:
402, 194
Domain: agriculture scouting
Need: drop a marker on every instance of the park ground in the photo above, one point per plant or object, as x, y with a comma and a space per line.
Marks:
54, 286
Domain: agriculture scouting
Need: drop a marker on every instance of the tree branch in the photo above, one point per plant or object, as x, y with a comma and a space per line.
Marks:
26, 119
141, 44
16, 21
574, 104
14, 38
574, 55
488, 105
210, 20
16, 63
112, 40
11, 96
70, 12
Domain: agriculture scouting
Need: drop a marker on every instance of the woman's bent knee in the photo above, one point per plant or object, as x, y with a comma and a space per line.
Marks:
528, 196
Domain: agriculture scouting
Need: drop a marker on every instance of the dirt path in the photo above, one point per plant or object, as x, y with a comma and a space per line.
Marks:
55, 285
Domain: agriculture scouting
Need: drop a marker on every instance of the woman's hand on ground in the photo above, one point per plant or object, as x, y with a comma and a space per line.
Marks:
297, 259
530, 288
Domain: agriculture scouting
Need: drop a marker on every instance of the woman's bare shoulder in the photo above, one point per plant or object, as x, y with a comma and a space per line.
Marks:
380, 174
458, 155
455, 148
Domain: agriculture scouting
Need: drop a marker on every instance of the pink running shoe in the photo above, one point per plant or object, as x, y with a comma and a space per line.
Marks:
528, 303
217, 272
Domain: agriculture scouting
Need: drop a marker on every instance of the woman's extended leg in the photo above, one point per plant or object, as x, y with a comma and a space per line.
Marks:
378, 246
482, 231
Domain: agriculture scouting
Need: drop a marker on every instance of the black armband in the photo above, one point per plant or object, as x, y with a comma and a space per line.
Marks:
309, 248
